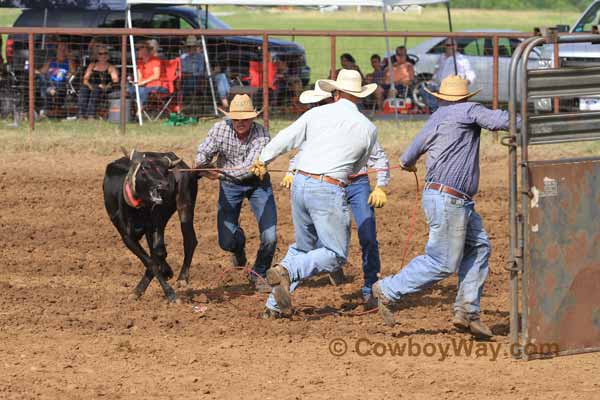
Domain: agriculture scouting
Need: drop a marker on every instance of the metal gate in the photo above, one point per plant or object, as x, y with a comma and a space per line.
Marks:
554, 261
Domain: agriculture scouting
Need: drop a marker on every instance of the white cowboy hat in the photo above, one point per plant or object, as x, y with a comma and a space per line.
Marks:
314, 96
453, 88
191, 41
348, 81
241, 107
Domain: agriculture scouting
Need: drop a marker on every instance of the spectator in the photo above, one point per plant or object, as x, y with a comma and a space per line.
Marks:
222, 85
377, 76
445, 67
594, 31
536, 31
192, 67
287, 88
149, 71
53, 76
98, 79
402, 73
348, 62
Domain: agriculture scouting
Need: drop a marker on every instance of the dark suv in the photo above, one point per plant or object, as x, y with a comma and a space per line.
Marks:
231, 53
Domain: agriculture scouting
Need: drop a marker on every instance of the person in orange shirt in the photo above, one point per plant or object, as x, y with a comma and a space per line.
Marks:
403, 72
149, 71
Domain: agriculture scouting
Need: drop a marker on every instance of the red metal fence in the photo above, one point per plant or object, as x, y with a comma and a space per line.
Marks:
34, 43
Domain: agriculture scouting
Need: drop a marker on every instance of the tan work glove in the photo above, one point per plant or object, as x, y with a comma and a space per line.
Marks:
258, 168
409, 169
287, 180
377, 198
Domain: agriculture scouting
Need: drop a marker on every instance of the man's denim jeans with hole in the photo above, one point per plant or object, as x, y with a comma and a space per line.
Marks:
457, 243
321, 217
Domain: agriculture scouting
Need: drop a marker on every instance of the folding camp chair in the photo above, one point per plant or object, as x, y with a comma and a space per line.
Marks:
170, 71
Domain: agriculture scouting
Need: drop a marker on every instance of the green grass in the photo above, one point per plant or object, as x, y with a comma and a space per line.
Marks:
103, 138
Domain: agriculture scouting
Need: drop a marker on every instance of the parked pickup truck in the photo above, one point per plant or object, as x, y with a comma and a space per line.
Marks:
232, 53
574, 55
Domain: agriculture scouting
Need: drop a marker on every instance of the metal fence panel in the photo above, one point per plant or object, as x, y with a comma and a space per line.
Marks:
563, 256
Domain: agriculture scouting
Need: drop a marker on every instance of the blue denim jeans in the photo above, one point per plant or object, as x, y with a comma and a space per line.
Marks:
145, 92
364, 217
222, 84
262, 202
457, 243
321, 217
430, 100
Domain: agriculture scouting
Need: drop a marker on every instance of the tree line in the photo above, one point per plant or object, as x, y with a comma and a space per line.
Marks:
573, 5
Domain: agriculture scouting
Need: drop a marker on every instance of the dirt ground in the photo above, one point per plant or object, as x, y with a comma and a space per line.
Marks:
68, 329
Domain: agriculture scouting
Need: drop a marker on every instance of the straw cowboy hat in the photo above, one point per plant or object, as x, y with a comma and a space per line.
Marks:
348, 81
453, 88
241, 107
191, 41
314, 96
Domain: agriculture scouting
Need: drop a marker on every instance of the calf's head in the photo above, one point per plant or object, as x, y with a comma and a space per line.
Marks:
149, 177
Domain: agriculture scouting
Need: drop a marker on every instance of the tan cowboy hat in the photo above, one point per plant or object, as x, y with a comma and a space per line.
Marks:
453, 88
348, 81
191, 41
314, 96
241, 107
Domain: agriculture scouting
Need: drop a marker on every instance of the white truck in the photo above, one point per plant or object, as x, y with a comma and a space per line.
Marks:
575, 55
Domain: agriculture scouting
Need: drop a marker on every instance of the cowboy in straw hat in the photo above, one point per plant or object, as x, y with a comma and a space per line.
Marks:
192, 67
236, 142
336, 141
362, 202
457, 240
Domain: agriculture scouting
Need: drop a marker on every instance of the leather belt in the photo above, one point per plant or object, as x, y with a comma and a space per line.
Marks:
323, 178
446, 189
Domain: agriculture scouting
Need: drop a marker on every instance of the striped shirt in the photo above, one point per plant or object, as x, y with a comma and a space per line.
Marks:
231, 152
451, 140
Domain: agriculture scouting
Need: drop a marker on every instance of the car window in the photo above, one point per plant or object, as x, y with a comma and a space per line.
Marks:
117, 20
164, 21
589, 19
471, 47
439, 48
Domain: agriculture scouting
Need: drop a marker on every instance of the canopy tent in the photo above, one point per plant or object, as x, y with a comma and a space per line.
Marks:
52, 4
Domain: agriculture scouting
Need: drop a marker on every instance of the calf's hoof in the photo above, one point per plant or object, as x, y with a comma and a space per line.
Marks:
135, 295
181, 283
166, 272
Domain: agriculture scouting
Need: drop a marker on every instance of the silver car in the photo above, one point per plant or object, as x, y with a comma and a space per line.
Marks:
479, 52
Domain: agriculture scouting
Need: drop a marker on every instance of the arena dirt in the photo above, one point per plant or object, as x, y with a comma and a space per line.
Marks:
68, 329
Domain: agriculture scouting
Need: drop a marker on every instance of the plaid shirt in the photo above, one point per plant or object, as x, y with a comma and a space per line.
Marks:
231, 152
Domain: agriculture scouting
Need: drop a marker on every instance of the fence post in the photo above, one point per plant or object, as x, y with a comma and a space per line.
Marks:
556, 100
31, 79
124, 111
265, 71
333, 60
495, 73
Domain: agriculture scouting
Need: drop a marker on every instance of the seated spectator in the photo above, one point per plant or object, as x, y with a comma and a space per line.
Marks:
149, 68
348, 62
377, 76
287, 88
402, 71
99, 78
52, 78
192, 67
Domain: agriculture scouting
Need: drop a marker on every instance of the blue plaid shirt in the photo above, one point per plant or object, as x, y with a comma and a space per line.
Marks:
451, 140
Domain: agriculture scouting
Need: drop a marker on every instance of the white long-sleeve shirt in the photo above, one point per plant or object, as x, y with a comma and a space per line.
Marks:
377, 160
336, 140
445, 67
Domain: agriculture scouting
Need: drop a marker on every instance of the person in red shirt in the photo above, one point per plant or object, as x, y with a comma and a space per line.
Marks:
149, 71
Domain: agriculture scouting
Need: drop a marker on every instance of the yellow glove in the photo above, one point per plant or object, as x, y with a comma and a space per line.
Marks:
286, 182
409, 169
258, 168
377, 198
